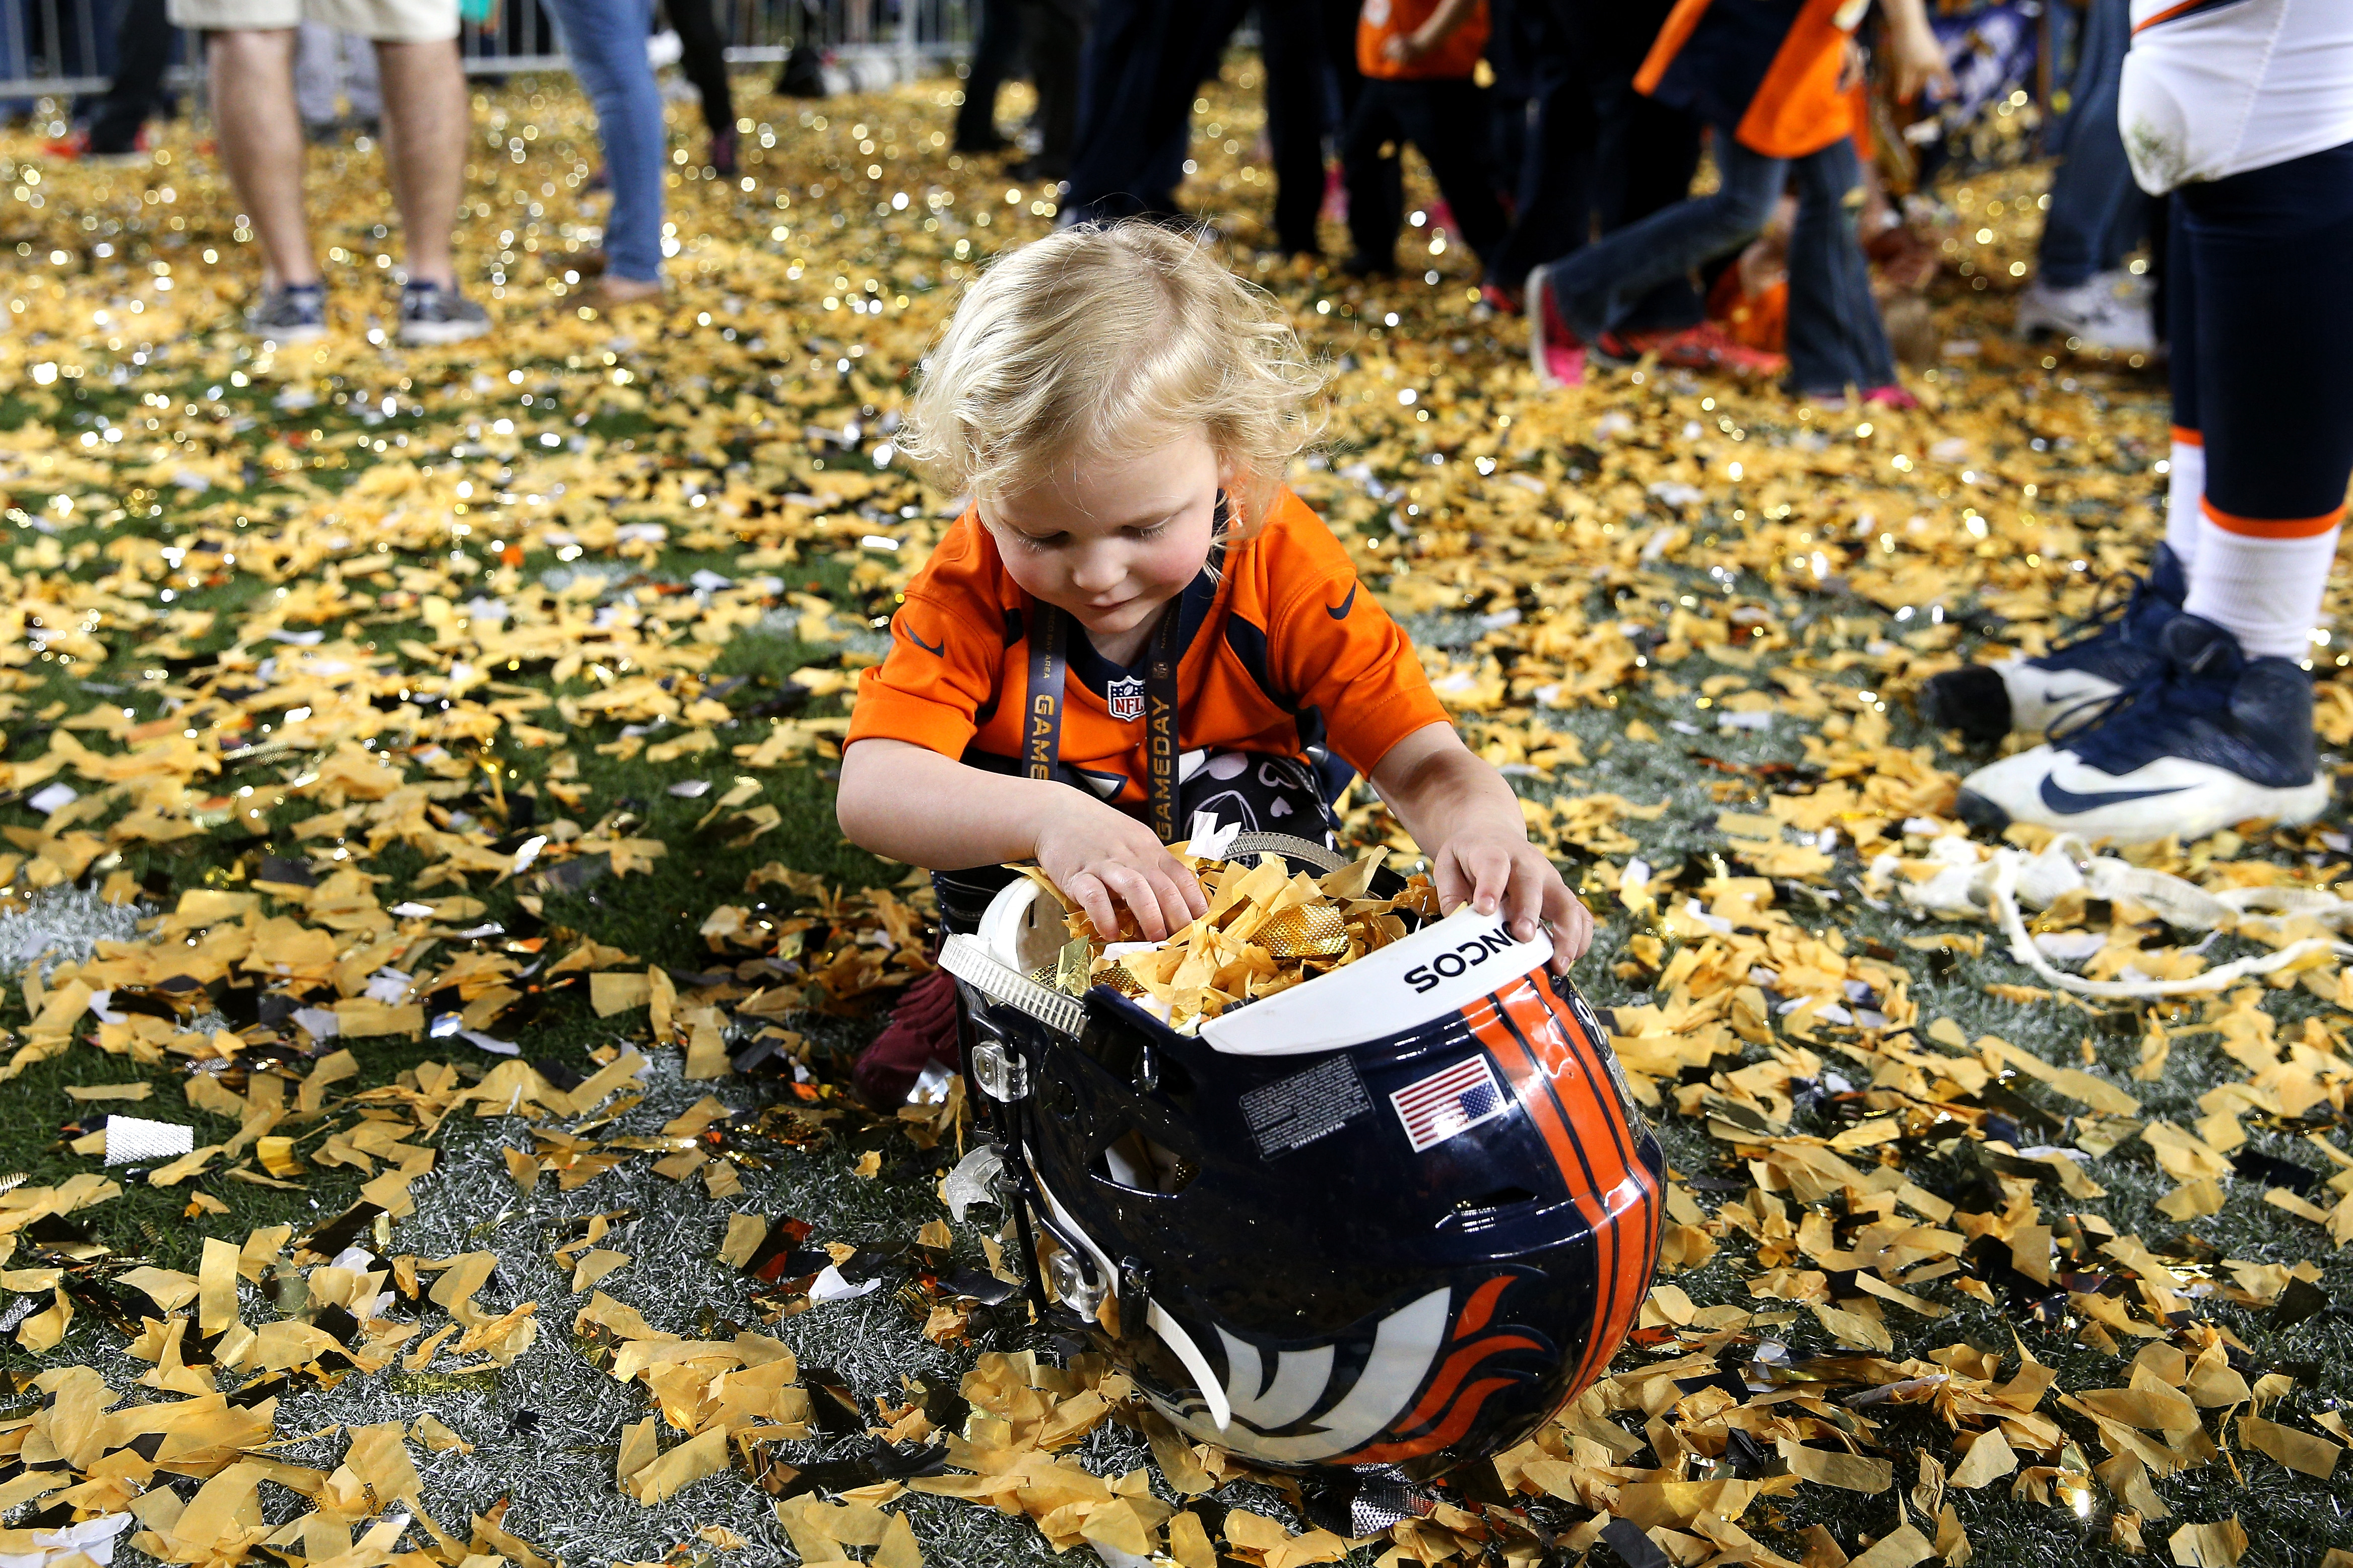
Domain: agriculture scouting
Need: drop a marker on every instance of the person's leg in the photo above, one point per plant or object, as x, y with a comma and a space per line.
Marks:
426, 122
2221, 731
1057, 32
606, 42
1654, 150
2092, 177
1508, 53
1552, 210
2096, 212
1986, 702
1447, 121
705, 60
251, 72
1292, 53
1597, 287
142, 53
2185, 482
2126, 215
1375, 206
1117, 133
923, 1026
1208, 31
993, 54
1836, 338
1335, 23
2273, 333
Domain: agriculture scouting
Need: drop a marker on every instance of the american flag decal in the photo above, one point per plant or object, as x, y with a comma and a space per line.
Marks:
1447, 1102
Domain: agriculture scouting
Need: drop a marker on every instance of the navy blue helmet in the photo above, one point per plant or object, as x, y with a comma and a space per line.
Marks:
1396, 1215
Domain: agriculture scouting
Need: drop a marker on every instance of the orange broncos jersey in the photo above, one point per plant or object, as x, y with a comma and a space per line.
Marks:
1764, 71
1280, 650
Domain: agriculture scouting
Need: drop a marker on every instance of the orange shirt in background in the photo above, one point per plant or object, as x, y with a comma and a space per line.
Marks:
1456, 57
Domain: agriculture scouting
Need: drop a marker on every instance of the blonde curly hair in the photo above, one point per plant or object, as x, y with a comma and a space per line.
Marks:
1103, 339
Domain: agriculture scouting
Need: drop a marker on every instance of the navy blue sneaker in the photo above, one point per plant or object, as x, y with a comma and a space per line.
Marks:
296, 313
2205, 739
1987, 701
432, 315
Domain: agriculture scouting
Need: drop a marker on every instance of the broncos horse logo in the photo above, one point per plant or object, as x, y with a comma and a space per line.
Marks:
1432, 1367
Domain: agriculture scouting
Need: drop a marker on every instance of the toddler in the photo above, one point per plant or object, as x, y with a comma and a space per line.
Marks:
1136, 624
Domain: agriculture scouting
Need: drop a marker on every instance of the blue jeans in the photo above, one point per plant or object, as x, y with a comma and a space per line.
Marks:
1836, 338
606, 42
2097, 213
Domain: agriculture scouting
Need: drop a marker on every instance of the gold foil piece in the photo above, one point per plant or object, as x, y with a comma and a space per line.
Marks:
1070, 967
1117, 977
1304, 930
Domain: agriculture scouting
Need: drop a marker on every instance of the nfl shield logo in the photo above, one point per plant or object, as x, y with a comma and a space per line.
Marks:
1125, 698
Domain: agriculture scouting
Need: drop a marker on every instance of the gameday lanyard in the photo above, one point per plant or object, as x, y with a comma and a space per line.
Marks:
1048, 666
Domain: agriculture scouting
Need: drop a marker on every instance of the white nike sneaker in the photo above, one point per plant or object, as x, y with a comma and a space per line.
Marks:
2208, 739
2098, 313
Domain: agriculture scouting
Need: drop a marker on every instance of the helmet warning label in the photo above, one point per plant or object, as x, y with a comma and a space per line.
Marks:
1293, 1112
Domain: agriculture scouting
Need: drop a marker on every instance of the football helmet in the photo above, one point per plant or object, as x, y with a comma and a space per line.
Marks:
1394, 1216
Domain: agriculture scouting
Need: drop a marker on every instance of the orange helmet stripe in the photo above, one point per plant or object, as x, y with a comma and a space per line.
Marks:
1460, 1365
1458, 1421
1533, 1087
1559, 1084
1480, 1307
1551, 1032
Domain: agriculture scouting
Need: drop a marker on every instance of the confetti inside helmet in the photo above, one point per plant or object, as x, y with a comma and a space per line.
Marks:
1392, 1218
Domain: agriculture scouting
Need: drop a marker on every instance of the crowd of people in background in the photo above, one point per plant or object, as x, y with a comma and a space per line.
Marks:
1564, 136
2204, 182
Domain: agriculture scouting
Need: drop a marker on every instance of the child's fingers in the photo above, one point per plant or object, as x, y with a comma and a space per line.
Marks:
1522, 899
1168, 880
1136, 890
1452, 885
1490, 878
1572, 928
1189, 887
1094, 899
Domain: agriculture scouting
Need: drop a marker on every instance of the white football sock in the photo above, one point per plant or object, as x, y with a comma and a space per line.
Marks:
2185, 486
2265, 592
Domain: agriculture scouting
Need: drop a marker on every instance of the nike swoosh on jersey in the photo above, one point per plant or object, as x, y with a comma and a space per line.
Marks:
1341, 613
2061, 799
909, 633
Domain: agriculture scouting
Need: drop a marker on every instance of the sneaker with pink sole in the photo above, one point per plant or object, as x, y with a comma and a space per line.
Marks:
1555, 350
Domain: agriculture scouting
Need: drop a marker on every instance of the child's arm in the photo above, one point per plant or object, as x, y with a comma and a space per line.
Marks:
1919, 57
913, 805
1408, 48
1461, 811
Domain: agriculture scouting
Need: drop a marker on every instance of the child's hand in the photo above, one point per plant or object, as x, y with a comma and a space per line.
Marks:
1101, 859
1406, 48
1919, 56
1488, 873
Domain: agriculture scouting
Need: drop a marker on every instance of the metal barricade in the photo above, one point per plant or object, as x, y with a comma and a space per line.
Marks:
60, 49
